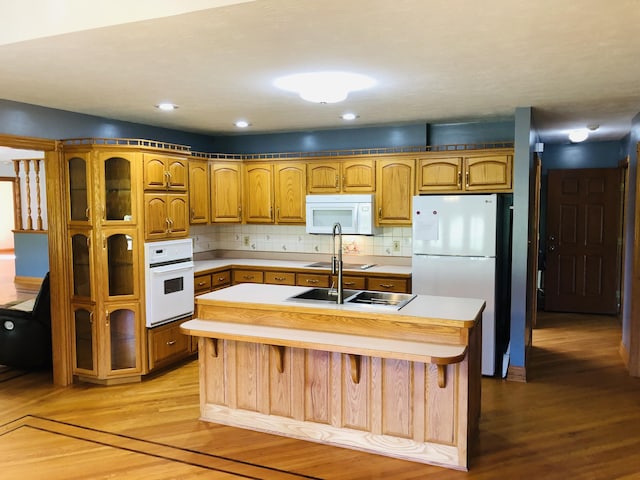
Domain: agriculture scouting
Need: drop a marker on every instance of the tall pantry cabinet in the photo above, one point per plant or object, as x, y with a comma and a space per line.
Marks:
105, 221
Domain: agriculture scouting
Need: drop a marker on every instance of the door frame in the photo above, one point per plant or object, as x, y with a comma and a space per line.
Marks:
58, 269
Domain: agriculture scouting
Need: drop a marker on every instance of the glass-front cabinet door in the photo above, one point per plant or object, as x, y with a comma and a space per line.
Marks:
79, 178
85, 342
120, 261
81, 264
118, 189
123, 338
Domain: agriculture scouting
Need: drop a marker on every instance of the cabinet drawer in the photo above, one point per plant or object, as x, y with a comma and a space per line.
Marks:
280, 278
352, 283
220, 279
202, 283
387, 284
167, 344
247, 276
311, 280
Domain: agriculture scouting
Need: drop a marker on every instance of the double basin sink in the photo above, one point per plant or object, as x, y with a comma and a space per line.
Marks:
394, 301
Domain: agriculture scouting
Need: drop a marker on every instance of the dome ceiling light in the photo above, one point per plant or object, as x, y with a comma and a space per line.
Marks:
324, 87
242, 124
166, 107
578, 135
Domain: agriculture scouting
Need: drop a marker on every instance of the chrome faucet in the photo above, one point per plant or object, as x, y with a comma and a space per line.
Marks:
336, 262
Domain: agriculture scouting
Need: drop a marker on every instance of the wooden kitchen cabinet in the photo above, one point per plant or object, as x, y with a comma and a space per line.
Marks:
247, 276
165, 172
290, 191
258, 193
166, 215
79, 205
398, 285
226, 192
489, 173
167, 345
475, 173
394, 191
346, 176
199, 192
208, 282
280, 278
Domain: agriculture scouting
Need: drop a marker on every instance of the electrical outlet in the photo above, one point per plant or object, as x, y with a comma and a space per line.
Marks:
245, 240
396, 245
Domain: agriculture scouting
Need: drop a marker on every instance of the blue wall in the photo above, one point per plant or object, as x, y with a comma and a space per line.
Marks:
32, 254
583, 155
388, 136
34, 121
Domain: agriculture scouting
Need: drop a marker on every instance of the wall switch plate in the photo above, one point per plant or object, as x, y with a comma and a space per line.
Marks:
245, 240
396, 245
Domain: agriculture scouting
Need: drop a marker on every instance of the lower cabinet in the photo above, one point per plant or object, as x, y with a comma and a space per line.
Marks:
167, 344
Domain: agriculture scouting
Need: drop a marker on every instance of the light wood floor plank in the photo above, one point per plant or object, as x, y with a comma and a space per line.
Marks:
577, 418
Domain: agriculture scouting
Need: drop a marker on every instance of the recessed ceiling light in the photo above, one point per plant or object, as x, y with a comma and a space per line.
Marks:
324, 87
349, 116
242, 124
166, 107
578, 135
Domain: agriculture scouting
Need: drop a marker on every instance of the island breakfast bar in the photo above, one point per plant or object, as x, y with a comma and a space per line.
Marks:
403, 383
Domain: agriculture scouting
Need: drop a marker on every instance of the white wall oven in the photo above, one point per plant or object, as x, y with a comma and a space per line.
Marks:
168, 280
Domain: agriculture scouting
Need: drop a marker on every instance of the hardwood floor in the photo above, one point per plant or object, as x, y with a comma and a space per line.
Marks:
577, 418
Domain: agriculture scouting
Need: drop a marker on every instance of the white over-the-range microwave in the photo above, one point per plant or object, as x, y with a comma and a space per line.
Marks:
355, 213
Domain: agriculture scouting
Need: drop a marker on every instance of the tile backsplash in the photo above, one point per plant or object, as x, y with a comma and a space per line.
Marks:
392, 241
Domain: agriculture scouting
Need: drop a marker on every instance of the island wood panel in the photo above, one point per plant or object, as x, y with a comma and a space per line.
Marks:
396, 407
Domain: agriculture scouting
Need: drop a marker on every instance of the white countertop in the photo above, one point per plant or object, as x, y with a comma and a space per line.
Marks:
204, 265
423, 306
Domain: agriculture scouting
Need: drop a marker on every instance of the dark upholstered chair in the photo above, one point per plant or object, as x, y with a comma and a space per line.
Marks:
25, 337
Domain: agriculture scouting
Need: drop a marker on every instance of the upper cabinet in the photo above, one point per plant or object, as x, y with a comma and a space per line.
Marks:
118, 190
473, 173
394, 192
290, 191
199, 196
258, 198
348, 176
226, 192
79, 177
165, 172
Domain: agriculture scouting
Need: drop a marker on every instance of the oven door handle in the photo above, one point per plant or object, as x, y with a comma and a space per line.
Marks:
176, 267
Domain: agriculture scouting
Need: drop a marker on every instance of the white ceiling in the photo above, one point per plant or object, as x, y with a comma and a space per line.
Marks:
436, 61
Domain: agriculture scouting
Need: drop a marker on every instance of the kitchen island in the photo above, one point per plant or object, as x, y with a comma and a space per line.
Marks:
403, 383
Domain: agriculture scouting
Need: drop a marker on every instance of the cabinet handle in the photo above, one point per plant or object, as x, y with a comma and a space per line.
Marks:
201, 284
91, 317
337, 182
107, 317
220, 279
344, 180
386, 285
248, 277
171, 342
311, 280
467, 176
88, 242
279, 279
380, 213
278, 213
348, 284
459, 179
193, 213
87, 213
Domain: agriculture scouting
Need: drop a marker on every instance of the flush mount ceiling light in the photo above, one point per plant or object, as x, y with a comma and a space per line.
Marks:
166, 107
242, 124
349, 116
324, 87
578, 135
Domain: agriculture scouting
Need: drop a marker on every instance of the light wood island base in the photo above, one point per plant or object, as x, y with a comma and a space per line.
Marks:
398, 383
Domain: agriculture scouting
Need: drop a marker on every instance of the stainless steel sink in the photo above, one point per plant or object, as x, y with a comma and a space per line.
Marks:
394, 301
322, 295
387, 299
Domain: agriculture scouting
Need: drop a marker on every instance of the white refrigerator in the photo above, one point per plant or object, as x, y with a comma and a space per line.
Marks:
454, 255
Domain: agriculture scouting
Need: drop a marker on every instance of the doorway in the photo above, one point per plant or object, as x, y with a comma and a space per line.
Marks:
7, 217
583, 241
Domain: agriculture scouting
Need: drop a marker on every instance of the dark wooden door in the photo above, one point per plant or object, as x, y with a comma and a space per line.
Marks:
583, 228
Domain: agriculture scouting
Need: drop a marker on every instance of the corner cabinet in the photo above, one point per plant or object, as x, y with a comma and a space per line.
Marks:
105, 245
